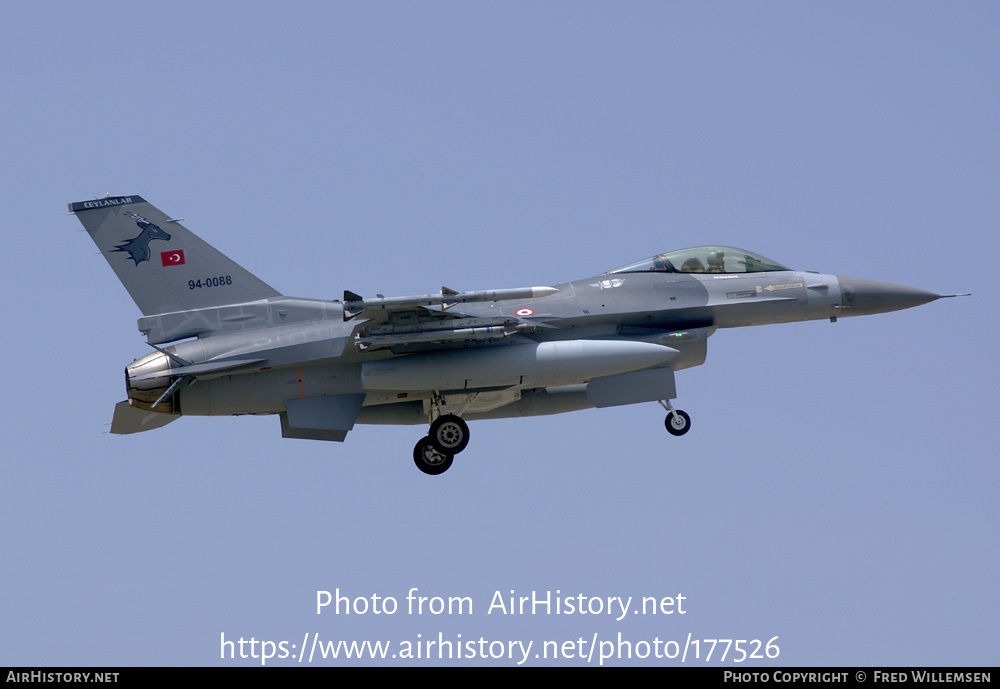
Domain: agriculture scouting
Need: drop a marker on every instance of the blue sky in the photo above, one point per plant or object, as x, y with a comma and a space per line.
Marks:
838, 487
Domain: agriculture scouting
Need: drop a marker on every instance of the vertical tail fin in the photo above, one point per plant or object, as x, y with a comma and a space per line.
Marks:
164, 266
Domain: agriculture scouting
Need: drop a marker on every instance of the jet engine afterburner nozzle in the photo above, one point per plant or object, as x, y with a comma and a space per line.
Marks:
144, 393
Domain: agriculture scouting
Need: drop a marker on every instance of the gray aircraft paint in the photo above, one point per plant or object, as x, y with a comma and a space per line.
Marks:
141, 265
322, 366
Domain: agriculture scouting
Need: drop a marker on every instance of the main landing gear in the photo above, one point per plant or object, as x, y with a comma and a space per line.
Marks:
448, 436
677, 422
430, 460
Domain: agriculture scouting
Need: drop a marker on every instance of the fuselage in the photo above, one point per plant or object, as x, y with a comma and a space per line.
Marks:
315, 352
228, 343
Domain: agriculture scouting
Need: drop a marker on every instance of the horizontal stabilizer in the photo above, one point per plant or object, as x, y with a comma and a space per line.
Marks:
129, 419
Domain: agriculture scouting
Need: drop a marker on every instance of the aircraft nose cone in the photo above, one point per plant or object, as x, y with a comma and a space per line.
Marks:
862, 297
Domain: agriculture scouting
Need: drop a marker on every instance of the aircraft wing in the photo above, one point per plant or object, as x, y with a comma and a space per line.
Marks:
432, 318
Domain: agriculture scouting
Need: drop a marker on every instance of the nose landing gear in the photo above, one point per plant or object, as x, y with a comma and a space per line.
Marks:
677, 422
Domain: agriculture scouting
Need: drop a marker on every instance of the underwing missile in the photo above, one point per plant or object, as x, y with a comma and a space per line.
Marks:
355, 304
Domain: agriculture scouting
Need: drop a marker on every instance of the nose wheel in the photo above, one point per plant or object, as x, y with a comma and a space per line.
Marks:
677, 422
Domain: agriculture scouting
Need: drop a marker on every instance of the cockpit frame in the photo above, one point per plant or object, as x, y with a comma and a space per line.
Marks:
704, 259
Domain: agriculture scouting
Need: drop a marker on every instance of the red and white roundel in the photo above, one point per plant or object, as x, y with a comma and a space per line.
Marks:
524, 312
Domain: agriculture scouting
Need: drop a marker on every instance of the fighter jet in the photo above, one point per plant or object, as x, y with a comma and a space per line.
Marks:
226, 343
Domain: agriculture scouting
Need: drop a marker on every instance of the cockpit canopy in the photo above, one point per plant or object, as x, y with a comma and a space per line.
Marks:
704, 259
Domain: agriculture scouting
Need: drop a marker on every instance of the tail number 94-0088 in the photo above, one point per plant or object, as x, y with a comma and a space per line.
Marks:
210, 282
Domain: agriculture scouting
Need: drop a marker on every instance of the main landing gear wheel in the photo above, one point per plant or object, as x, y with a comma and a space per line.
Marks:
429, 460
677, 422
449, 434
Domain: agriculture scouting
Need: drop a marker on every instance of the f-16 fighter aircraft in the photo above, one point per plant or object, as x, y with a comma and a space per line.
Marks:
241, 347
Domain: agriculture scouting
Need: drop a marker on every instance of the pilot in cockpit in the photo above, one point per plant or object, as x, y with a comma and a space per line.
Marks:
693, 265
716, 262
